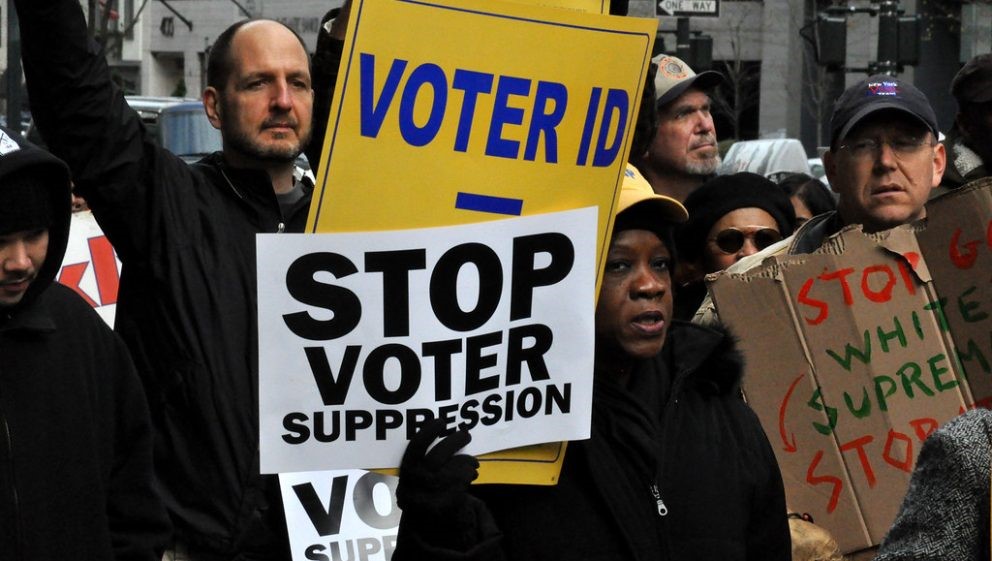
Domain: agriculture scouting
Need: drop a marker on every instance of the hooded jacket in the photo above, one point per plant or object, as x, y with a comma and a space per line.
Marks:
75, 436
677, 467
187, 299
963, 164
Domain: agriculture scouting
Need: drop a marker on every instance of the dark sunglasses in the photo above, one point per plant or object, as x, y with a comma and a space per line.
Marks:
731, 240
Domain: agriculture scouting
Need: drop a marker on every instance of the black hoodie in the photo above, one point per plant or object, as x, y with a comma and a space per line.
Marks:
75, 436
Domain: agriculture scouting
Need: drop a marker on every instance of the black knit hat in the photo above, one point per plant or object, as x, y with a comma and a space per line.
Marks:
973, 83
25, 202
724, 194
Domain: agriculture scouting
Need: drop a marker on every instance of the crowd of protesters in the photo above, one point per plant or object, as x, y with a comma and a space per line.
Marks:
144, 442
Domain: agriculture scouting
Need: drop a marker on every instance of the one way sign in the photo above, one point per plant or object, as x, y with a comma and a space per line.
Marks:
686, 8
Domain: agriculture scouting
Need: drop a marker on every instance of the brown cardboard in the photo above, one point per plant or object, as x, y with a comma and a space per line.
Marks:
846, 430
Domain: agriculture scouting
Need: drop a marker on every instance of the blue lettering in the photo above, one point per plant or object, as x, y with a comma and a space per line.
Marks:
616, 102
545, 122
472, 83
587, 128
372, 113
422, 75
503, 114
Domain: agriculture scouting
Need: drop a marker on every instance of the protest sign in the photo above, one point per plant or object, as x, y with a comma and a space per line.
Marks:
863, 351
458, 112
337, 515
369, 335
90, 265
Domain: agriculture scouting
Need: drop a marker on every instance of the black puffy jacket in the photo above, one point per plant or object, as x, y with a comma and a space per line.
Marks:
187, 300
75, 436
677, 467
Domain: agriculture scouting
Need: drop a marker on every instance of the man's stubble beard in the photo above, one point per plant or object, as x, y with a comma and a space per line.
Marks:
705, 167
241, 142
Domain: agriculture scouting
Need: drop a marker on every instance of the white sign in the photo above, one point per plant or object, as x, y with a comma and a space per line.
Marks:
685, 8
364, 337
90, 266
347, 514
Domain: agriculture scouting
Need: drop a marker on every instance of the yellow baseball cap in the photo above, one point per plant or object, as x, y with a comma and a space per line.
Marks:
636, 190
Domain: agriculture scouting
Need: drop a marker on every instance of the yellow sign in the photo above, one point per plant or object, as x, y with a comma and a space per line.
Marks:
459, 111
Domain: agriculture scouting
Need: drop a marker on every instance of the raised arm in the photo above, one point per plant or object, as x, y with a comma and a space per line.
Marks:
83, 117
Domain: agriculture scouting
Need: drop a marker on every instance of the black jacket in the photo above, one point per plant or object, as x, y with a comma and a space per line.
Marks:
187, 301
677, 467
75, 436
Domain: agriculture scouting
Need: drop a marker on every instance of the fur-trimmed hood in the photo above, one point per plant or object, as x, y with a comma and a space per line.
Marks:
706, 358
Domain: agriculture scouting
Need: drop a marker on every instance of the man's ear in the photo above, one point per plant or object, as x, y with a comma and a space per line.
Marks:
939, 163
830, 167
211, 105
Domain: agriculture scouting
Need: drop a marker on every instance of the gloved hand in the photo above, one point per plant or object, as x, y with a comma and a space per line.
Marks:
435, 483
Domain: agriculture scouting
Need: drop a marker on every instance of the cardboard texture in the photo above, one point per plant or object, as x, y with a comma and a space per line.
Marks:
864, 349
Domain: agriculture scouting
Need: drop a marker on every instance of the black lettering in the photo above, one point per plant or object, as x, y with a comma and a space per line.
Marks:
534, 355
332, 391
326, 522
295, 423
375, 377
304, 288
441, 352
444, 286
526, 277
365, 503
476, 362
395, 267
354, 421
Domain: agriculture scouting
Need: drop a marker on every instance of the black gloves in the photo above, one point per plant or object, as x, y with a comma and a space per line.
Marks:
433, 490
436, 482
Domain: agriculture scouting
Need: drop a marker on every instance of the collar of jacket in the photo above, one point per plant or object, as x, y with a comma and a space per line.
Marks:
34, 318
245, 184
809, 237
705, 358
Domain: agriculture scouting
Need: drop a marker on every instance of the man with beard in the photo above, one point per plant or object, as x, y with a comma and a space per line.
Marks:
969, 144
683, 153
186, 237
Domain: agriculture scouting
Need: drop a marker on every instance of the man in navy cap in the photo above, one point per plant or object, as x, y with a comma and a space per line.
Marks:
969, 143
884, 159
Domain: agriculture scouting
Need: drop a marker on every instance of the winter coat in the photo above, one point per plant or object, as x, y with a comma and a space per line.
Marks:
945, 515
187, 300
963, 164
75, 435
677, 468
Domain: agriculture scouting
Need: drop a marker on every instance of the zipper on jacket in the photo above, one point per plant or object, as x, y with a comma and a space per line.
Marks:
656, 493
281, 227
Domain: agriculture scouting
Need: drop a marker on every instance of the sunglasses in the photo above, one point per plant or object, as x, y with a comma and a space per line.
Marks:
731, 240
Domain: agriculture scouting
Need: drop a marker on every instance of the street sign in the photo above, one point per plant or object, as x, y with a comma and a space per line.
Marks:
689, 8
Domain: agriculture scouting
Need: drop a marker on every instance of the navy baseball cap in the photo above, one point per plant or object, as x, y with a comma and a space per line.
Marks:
875, 94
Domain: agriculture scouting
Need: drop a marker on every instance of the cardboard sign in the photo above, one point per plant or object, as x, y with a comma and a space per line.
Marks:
865, 348
459, 112
367, 336
90, 266
346, 514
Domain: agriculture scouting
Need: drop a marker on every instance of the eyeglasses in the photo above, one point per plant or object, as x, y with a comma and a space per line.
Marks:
863, 148
731, 240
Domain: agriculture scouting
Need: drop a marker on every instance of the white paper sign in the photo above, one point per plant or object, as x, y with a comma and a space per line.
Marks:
363, 337
338, 515
90, 266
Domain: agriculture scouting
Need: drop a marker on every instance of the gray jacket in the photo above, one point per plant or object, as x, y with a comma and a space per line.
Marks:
945, 515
